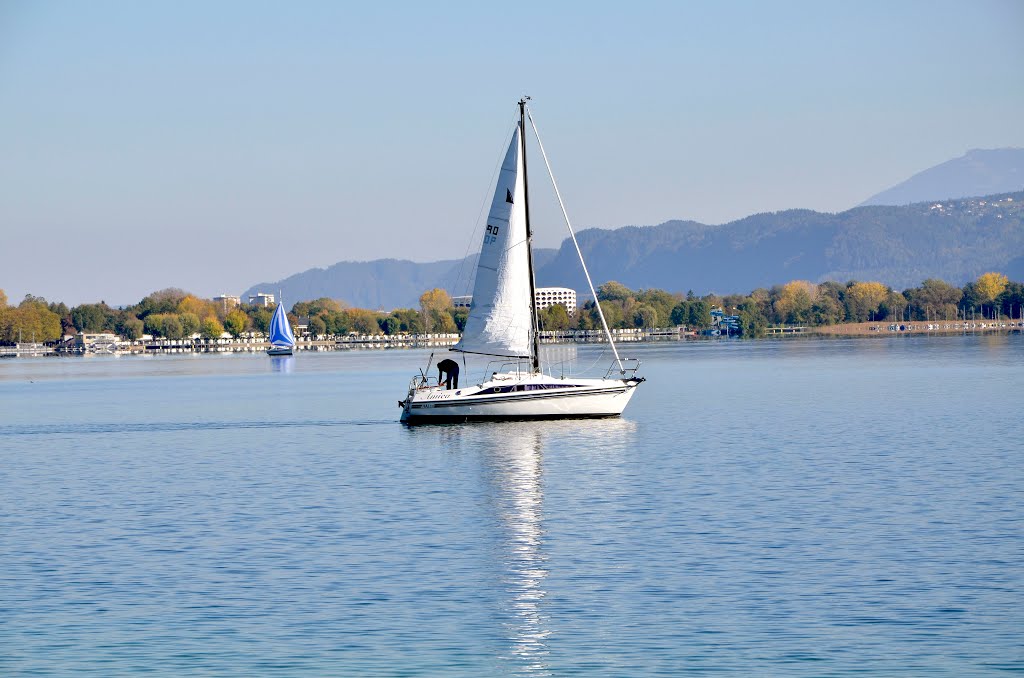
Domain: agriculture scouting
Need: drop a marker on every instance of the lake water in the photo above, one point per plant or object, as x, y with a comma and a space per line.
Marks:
790, 507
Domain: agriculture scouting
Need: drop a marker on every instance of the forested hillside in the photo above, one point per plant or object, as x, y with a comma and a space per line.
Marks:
952, 240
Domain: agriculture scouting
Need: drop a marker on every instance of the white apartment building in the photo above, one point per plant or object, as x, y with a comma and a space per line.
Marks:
543, 298
261, 299
227, 301
549, 296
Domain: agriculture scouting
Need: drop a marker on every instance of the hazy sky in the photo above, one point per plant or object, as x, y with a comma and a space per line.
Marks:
215, 145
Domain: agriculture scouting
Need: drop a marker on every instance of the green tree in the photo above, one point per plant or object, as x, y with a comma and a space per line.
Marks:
646, 316
162, 301
363, 321
172, 328
460, 316
935, 299
826, 310
699, 314
260, 319
409, 320
613, 291
129, 327
752, 323
680, 313
92, 317
190, 323
555, 318
1011, 300
317, 326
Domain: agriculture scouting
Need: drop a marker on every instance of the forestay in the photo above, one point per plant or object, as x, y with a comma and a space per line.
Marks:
499, 321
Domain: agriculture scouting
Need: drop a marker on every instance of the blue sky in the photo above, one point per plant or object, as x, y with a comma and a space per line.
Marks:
211, 146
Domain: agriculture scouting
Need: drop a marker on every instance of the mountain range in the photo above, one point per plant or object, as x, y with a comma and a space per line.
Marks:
977, 172
900, 245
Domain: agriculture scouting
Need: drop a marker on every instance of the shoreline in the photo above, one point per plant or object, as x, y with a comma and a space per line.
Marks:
392, 342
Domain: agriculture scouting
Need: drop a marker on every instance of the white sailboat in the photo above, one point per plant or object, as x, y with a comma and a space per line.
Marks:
502, 324
282, 341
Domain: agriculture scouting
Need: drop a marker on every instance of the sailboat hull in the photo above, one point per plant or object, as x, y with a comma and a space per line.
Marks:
535, 397
279, 350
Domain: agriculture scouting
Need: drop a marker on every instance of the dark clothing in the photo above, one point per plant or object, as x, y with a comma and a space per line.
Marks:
450, 368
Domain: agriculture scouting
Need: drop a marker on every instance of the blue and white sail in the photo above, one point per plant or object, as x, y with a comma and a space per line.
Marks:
500, 321
280, 329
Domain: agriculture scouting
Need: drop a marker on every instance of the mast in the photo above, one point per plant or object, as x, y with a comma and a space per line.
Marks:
535, 349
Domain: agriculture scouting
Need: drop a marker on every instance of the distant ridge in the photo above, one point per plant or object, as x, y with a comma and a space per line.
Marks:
978, 172
382, 283
954, 240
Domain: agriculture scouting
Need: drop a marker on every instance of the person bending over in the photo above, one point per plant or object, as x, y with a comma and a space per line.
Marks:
450, 369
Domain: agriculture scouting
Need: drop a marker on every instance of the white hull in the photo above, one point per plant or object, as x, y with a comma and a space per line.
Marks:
279, 350
513, 396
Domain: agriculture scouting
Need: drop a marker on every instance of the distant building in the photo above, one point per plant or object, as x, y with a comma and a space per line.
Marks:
550, 296
261, 299
227, 301
544, 297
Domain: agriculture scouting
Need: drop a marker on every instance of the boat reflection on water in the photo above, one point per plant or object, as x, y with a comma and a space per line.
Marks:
517, 480
284, 363
515, 471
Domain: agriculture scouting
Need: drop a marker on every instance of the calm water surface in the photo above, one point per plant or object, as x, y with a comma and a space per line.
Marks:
793, 507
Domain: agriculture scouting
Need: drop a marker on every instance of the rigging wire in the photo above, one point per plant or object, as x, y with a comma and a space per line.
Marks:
572, 233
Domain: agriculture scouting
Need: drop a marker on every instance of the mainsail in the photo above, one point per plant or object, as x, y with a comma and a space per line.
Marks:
499, 321
280, 330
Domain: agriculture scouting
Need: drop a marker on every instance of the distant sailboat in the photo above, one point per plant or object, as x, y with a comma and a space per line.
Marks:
282, 341
502, 324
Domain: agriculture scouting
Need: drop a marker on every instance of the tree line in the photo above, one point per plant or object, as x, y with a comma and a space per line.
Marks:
175, 314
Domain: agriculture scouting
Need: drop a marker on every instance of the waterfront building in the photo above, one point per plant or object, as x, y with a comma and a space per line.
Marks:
543, 297
261, 299
227, 301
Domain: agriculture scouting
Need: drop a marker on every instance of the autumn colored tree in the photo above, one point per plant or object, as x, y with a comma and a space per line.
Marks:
3, 299
794, 301
31, 320
201, 308
435, 305
211, 328
989, 286
318, 307
863, 300
236, 321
